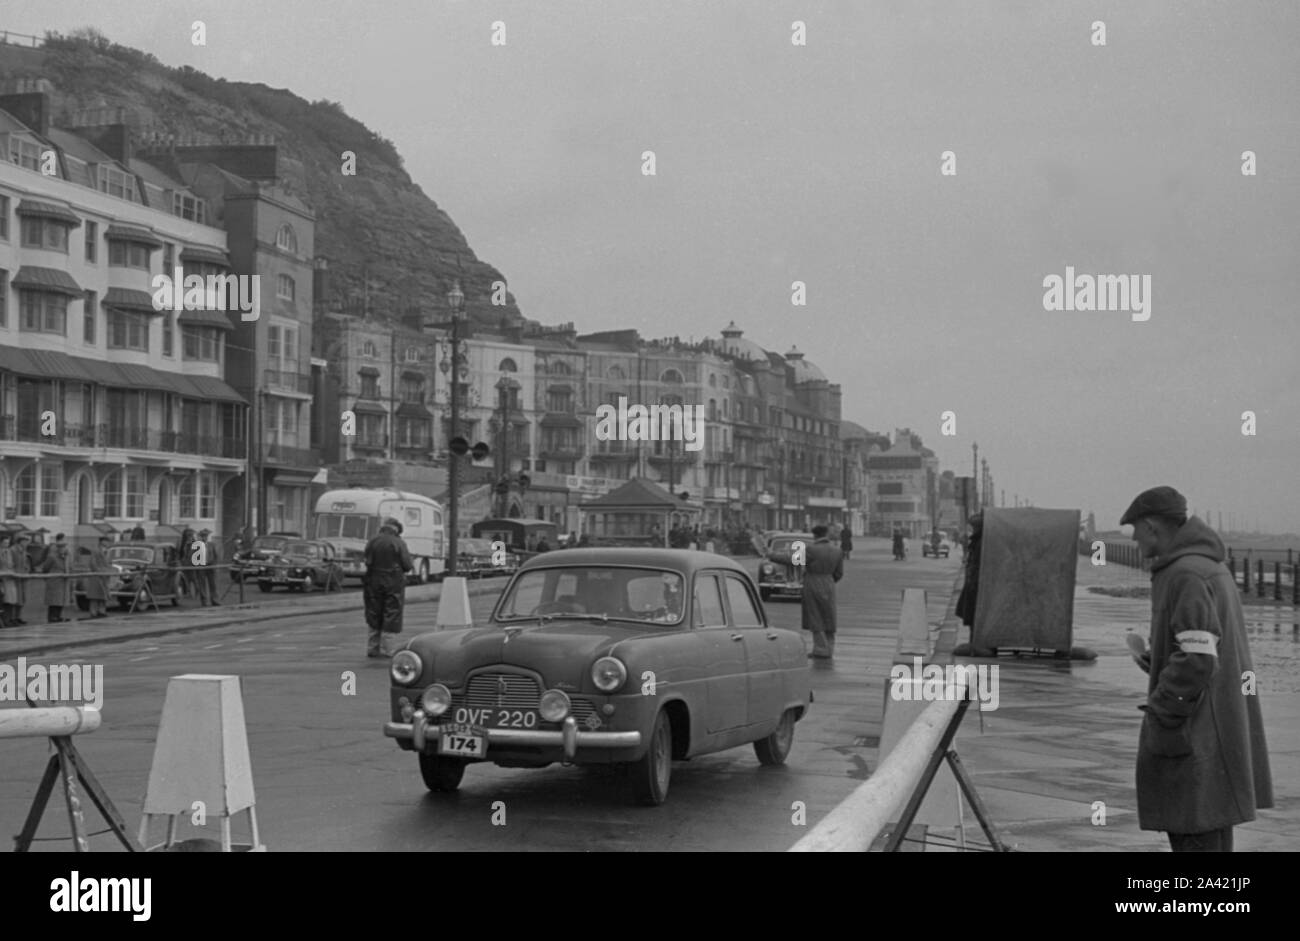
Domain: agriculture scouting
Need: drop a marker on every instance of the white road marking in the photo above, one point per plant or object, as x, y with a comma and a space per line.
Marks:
137, 659
212, 646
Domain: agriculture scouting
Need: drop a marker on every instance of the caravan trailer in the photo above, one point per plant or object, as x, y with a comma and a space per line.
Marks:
350, 518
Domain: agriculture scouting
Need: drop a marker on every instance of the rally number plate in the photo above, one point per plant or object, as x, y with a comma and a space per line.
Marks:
468, 741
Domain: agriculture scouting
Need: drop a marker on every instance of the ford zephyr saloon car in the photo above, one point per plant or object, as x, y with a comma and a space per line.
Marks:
636, 657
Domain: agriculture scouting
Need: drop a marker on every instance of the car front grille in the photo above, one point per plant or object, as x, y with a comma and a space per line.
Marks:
520, 692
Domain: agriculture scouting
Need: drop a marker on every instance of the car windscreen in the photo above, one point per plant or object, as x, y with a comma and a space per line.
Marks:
647, 596
345, 526
302, 549
271, 543
130, 554
785, 545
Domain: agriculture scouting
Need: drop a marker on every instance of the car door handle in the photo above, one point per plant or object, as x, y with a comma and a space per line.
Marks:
737, 636
773, 636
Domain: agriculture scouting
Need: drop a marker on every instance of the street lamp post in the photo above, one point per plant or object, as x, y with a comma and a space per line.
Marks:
456, 301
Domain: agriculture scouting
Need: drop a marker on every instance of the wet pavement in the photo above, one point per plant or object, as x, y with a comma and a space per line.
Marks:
1065, 734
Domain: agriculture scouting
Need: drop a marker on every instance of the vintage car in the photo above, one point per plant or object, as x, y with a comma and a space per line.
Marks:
632, 657
136, 564
302, 564
777, 573
935, 544
247, 562
477, 559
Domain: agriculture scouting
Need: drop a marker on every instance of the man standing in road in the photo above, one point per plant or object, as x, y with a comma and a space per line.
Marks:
824, 566
387, 562
207, 573
1202, 763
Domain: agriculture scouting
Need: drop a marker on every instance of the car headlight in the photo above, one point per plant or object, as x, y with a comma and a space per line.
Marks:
608, 673
555, 705
405, 668
436, 699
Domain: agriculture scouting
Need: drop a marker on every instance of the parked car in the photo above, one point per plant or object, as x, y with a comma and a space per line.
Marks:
604, 656
935, 544
777, 573
136, 564
303, 565
248, 561
477, 559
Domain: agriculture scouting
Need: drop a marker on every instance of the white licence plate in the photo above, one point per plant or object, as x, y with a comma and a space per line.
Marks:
469, 741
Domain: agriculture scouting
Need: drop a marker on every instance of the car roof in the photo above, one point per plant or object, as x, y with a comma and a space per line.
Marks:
795, 535
682, 560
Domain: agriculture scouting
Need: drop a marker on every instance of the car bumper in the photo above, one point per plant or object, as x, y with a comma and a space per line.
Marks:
569, 738
781, 588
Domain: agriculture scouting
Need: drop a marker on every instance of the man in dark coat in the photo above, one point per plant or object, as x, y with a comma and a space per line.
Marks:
900, 548
1202, 763
384, 592
824, 566
846, 541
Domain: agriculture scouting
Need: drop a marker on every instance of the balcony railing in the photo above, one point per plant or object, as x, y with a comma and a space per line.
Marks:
565, 453
285, 380
676, 456
372, 442
126, 438
613, 456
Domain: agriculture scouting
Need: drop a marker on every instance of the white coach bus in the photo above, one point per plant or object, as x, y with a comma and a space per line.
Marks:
349, 518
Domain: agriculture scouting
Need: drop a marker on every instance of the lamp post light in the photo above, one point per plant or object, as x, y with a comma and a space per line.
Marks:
456, 301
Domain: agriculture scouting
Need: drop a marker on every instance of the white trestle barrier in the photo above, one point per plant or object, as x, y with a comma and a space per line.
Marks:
201, 755
49, 721
453, 604
853, 825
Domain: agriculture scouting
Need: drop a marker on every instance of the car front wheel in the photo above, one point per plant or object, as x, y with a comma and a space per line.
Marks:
441, 773
765, 593
651, 774
774, 749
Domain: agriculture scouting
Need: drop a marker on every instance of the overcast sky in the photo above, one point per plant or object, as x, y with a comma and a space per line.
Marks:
821, 163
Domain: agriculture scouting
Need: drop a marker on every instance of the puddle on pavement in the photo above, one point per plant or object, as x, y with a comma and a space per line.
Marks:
1274, 635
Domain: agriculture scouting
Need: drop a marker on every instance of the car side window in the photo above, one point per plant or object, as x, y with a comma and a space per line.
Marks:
707, 610
743, 612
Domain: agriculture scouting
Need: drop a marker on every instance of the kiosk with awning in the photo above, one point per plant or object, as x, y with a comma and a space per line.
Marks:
638, 513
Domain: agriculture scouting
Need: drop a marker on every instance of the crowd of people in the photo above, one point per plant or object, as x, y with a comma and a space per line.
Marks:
86, 570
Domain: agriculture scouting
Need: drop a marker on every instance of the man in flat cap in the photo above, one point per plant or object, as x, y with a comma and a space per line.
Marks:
1202, 763
384, 591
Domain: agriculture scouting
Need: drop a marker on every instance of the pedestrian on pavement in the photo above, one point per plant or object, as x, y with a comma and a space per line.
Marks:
19, 592
543, 545
384, 586
823, 567
846, 542
58, 591
37, 550
1202, 764
207, 573
97, 585
900, 548
137, 534
186, 582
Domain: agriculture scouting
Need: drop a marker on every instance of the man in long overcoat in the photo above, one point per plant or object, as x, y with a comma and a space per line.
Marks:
384, 592
8, 586
96, 586
19, 564
58, 591
1202, 763
824, 566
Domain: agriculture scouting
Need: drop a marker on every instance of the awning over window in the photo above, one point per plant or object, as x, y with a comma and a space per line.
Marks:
370, 407
31, 207
45, 364
206, 318
210, 387
132, 233
205, 256
53, 280
368, 371
128, 299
